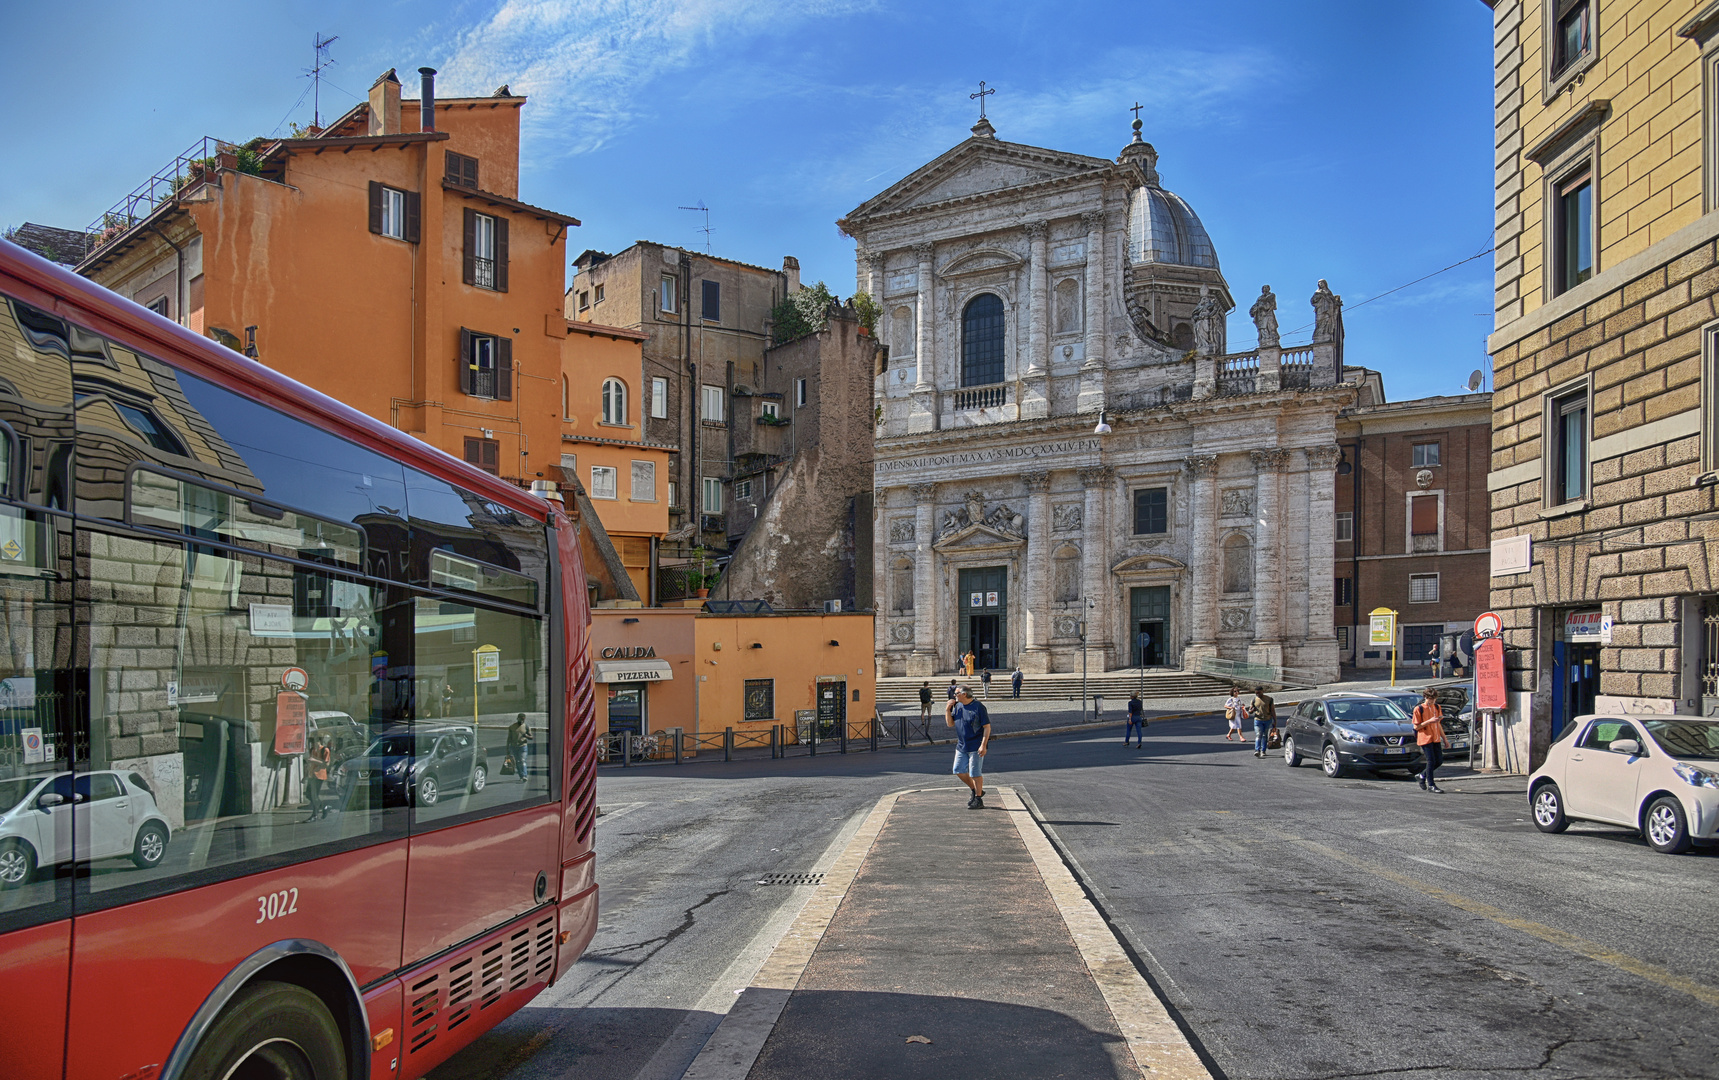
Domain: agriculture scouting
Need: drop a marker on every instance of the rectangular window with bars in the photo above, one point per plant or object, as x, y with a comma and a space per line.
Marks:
486, 365
1342, 639
1345, 594
1151, 511
1423, 588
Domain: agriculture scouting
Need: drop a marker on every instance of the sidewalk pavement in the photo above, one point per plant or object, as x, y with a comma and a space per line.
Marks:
948, 942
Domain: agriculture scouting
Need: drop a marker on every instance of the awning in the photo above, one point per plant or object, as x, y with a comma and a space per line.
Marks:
634, 671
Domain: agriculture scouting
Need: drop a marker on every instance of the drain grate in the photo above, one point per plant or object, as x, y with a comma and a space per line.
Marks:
791, 879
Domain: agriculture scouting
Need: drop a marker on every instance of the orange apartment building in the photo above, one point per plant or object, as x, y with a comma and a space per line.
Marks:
385, 260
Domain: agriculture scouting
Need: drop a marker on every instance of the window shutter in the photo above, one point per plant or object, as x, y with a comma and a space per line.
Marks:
500, 254
491, 457
470, 173
414, 215
712, 301
468, 271
503, 369
375, 207
474, 452
1424, 515
465, 361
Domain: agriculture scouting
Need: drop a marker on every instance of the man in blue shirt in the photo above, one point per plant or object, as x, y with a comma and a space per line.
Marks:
972, 726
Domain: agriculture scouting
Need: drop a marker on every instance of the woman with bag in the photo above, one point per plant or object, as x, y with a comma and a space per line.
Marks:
1234, 712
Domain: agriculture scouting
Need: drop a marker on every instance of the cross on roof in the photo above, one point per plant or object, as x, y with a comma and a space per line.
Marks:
981, 95
1136, 110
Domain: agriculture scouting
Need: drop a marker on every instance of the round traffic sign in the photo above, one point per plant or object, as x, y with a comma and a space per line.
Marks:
1488, 625
295, 678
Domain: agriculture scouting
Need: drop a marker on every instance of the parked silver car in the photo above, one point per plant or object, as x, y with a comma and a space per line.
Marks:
1657, 774
1351, 730
52, 819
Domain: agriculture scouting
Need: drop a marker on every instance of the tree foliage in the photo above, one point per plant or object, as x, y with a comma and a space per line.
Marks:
801, 313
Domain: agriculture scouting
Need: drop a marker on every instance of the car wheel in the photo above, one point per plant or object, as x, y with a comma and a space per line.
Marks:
273, 1030
1332, 763
428, 792
151, 845
17, 864
1666, 830
1290, 757
480, 777
1548, 807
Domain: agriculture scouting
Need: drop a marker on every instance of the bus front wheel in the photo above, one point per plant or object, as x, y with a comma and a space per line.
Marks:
271, 1031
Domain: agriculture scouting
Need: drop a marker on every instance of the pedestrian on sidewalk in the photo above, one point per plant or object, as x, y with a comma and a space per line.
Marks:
519, 747
320, 757
1136, 723
925, 706
1015, 680
985, 683
1429, 732
972, 726
1235, 711
1264, 719
952, 689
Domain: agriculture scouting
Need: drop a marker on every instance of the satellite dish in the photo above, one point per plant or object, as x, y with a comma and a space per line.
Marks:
1475, 380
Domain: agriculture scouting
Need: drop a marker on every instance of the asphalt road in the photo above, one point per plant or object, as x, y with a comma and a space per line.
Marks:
1299, 927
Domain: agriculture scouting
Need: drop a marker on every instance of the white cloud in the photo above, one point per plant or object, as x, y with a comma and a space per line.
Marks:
585, 63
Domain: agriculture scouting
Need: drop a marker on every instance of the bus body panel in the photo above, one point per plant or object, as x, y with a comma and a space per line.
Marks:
580, 704
384, 1005
33, 973
578, 917
468, 878
140, 971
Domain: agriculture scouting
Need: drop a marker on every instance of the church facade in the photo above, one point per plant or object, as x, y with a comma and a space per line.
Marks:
1069, 465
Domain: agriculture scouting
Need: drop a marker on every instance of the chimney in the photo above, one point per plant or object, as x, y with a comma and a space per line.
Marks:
791, 270
385, 104
427, 100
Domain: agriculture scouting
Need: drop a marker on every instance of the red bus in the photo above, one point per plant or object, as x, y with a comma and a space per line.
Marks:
296, 758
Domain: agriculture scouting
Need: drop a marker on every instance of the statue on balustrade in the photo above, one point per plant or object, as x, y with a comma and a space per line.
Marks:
1327, 314
1208, 325
1264, 312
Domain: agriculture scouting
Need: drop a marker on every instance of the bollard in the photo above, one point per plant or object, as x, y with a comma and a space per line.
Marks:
677, 745
874, 734
728, 744
812, 739
842, 736
626, 749
901, 732
775, 741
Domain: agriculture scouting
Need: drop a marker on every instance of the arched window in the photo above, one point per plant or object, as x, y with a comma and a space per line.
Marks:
1238, 564
982, 341
614, 401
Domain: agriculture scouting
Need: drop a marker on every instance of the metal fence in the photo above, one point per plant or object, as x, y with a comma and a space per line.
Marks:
626, 748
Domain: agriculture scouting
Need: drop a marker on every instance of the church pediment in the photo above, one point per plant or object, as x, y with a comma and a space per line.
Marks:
976, 167
977, 538
981, 262
1141, 563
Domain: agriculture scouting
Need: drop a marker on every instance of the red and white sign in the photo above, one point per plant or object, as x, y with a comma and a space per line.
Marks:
295, 678
291, 718
1488, 625
1590, 627
1489, 674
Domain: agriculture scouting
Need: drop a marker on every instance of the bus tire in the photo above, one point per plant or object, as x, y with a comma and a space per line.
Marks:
271, 1031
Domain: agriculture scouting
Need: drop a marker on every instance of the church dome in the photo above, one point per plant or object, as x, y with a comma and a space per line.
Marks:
1163, 228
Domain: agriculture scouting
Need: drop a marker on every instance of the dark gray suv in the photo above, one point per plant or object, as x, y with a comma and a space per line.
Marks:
1349, 731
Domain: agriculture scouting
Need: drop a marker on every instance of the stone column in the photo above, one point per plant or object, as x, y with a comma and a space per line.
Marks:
922, 410
1295, 557
923, 662
1268, 542
1095, 590
1038, 288
1091, 397
1321, 532
874, 274
1203, 559
882, 579
1035, 658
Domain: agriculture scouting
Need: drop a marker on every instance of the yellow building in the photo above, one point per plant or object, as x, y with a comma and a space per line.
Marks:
1603, 356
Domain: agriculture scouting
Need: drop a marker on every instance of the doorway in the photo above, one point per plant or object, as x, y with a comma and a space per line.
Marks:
983, 616
1149, 618
627, 709
832, 707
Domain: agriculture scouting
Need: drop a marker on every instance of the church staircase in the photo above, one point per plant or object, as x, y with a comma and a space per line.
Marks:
1114, 686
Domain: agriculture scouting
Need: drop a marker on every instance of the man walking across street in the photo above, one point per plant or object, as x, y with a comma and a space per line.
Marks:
1264, 719
1136, 723
1015, 680
972, 726
1429, 732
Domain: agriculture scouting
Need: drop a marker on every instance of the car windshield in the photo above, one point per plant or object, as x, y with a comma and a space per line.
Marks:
1405, 702
12, 792
391, 746
1686, 738
1364, 709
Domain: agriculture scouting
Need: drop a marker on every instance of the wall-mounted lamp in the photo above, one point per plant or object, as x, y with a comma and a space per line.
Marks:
488, 433
629, 620
833, 641
1343, 466
757, 644
1102, 428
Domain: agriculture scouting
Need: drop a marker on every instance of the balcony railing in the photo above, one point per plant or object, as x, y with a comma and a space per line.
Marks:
483, 273
1238, 373
1295, 370
191, 168
982, 397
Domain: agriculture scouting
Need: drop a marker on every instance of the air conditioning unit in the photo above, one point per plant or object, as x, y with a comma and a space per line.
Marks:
713, 523
832, 607
742, 390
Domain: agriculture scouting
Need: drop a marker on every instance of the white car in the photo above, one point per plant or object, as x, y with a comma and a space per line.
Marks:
97, 815
1656, 774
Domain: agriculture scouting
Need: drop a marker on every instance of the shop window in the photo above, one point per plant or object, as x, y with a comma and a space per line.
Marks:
760, 699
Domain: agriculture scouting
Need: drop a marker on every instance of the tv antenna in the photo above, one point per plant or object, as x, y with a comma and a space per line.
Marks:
314, 73
705, 210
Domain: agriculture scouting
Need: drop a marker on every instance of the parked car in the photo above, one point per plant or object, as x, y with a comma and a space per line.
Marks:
415, 765
1655, 774
1351, 730
346, 736
52, 819
1455, 699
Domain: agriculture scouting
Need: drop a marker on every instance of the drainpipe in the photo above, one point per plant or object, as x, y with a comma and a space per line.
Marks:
695, 479
180, 295
1355, 548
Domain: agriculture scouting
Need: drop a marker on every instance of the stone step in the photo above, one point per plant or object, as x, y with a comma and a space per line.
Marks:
1064, 686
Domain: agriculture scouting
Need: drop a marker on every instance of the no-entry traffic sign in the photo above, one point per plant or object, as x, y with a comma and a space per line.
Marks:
1488, 625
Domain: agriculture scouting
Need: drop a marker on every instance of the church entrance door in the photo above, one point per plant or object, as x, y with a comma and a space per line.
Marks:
983, 615
1150, 616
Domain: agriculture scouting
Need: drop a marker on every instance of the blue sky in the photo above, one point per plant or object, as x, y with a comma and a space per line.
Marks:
1343, 139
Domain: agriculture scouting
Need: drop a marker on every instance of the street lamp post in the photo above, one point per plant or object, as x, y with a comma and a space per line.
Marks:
1101, 429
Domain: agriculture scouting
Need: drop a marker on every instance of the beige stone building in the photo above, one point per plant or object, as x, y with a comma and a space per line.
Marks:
1602, 456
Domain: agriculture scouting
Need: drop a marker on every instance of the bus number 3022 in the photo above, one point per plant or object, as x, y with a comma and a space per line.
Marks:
276, 904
